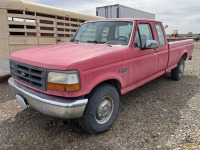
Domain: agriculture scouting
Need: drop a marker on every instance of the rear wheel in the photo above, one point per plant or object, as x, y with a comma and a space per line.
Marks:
102, 109
177, 72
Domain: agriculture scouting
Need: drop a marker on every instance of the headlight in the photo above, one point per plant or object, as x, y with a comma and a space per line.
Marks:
63, 81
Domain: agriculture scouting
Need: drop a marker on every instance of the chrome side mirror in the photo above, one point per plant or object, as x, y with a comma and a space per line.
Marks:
151, 44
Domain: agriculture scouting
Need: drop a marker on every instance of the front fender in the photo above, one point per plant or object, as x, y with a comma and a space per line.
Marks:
92, 80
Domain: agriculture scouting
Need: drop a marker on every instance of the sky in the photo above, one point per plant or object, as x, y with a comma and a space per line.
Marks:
181, 15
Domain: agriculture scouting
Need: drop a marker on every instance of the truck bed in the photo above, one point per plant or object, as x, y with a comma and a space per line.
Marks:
181, 38
177, 49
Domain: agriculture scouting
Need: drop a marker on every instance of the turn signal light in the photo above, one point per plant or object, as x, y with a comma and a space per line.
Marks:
63, 87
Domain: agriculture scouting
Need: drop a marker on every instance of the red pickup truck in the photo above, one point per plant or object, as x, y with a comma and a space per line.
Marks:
85, 77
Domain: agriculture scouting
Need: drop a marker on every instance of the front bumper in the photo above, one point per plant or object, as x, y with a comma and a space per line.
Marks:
50, 105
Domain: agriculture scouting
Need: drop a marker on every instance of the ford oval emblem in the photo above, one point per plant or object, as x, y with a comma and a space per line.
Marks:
23, 74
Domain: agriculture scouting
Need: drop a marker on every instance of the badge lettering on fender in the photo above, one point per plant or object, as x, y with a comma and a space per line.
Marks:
123, 70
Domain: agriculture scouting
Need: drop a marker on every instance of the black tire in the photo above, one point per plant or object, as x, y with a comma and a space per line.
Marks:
91, 120
177, 73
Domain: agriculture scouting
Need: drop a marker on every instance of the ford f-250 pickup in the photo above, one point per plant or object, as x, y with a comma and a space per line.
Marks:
85, 77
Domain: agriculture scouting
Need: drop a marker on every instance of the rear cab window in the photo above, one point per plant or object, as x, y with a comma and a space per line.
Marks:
160, 33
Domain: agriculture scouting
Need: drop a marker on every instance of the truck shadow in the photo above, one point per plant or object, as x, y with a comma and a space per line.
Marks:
146, 114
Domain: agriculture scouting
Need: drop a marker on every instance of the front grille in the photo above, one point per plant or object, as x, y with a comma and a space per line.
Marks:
30, 75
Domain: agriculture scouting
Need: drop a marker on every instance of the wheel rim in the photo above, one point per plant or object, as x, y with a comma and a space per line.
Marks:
181, 69
104, 109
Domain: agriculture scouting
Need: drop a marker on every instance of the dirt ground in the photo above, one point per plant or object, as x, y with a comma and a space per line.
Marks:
162, 114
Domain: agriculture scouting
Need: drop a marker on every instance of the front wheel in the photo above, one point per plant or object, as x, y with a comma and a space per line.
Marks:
177, 72
102, 109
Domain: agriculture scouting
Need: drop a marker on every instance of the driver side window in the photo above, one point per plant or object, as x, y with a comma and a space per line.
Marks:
143, 34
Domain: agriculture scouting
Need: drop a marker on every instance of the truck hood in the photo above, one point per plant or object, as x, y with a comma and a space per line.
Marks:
60, 56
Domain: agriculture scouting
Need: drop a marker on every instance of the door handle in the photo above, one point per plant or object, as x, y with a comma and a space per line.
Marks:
156, 50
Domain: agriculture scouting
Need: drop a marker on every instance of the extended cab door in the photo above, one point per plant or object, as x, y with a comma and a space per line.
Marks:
145, 61
163, 52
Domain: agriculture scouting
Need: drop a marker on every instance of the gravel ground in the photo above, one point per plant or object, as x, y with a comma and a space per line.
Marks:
162, 114
4, 66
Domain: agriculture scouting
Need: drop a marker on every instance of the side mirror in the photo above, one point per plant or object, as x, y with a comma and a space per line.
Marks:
151, 44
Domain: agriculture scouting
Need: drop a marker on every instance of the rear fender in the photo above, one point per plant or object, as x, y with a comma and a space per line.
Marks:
184, 52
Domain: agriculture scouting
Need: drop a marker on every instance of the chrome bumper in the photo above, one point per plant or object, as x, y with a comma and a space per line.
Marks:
50, 105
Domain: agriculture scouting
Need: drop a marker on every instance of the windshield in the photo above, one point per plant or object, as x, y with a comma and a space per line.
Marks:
109, 32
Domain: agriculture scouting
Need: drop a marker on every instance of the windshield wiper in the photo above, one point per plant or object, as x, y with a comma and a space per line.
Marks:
95, 41
102, 42
108, 44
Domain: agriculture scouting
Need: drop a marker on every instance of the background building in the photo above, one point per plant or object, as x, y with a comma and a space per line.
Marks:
120, 11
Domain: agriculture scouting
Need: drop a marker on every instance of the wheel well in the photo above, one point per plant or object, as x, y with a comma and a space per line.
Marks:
113, 82
184, 56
